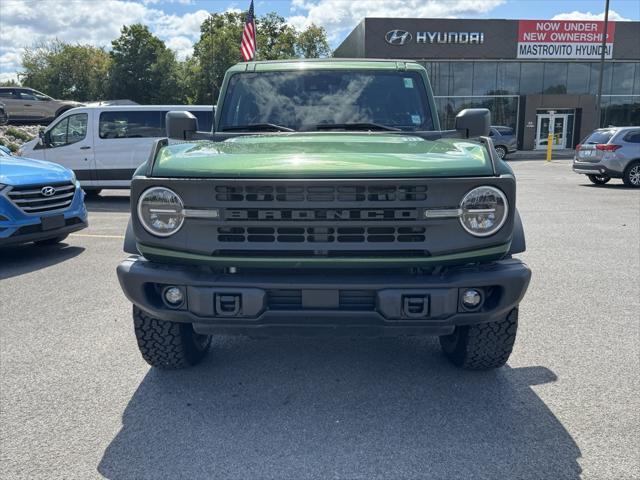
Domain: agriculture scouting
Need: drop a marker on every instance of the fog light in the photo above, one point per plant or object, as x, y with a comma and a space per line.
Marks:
471, 298
173, 296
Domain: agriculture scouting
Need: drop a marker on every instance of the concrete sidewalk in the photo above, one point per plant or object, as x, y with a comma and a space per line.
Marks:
540, 155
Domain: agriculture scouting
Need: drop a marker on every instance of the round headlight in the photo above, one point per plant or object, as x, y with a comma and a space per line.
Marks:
483, 211
160, 211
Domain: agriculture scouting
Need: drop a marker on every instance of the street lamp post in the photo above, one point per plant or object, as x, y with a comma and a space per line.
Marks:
602, 55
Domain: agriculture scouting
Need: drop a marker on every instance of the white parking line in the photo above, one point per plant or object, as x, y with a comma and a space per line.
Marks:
88, 235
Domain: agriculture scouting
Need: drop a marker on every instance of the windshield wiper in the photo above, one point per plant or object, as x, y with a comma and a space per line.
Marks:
258, 126
356, 126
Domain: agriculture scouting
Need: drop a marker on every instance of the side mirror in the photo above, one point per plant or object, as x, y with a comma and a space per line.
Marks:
41, 136
181, 125
474, 122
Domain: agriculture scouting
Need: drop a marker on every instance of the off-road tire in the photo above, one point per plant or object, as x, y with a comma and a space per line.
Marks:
482, 346
598, 179
502, 152
630, 175
168, 345
51, 241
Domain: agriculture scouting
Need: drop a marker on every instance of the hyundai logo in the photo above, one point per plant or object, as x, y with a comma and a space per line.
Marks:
397, 37
48, 191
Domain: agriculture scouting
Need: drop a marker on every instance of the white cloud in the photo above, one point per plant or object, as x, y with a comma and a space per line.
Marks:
340, 16
182, 2
187, 25
576, 15
23, 23
7, 76
183, 46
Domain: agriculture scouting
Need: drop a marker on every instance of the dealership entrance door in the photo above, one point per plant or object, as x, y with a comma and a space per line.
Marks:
560, 130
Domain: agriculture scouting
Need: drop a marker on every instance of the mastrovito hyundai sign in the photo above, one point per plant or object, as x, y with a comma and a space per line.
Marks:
563, 39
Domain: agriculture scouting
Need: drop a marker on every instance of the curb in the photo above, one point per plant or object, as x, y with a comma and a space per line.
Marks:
540, 155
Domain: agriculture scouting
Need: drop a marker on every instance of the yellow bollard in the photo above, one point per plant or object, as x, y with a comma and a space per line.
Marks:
549, 146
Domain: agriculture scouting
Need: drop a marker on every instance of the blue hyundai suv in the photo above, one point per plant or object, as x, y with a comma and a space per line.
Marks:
40, 202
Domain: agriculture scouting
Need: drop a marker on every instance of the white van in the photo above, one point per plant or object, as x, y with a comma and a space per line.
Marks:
104, 145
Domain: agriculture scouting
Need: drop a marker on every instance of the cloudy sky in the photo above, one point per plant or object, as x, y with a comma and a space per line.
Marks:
177, 22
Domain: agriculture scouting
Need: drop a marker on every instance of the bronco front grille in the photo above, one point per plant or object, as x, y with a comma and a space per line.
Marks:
320, 215
42, 198
320, 193
294, 234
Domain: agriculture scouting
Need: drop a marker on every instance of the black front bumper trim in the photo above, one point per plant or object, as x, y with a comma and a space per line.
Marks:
287, 302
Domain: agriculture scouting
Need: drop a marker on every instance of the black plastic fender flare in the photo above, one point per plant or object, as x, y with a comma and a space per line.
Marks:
130, 245
518, 243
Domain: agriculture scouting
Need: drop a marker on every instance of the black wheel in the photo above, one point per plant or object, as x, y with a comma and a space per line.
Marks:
483, 346
51, 241
61, 111
92, 192
501, 151
168, 345
631, 175
599, 179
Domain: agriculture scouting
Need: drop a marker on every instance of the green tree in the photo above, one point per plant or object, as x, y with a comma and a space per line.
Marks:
219, 48
143, 69
312, 43
275, 39
67, 71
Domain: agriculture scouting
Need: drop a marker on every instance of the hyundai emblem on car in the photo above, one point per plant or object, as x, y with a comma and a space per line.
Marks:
48, 191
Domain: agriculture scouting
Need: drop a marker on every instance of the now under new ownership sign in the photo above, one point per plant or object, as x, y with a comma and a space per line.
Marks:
563, 39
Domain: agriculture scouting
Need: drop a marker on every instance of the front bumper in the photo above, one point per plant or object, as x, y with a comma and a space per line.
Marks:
277, 301
16, 227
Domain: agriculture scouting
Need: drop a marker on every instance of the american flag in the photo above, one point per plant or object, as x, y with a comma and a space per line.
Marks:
248, 44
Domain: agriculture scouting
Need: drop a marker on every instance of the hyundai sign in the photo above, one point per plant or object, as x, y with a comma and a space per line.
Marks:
402, 37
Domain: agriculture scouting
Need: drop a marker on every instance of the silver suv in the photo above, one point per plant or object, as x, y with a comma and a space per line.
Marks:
28, 105
607, 153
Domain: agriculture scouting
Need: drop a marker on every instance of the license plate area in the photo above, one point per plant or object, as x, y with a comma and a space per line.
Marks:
53, 222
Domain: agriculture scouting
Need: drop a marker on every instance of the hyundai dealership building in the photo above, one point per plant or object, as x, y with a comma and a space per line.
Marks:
519, 69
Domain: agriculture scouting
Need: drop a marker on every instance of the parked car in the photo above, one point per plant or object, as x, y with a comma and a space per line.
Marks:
327, 200
104, 145
607, 153
4, 116
29, 105
40, 202
504, 140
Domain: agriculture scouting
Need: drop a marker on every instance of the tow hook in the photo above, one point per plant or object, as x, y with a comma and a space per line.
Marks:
228, 305
415, 306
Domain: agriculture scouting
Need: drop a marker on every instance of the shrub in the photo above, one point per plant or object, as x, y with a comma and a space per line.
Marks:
19, 134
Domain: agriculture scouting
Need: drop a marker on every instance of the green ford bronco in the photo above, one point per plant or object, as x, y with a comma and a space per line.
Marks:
326, 200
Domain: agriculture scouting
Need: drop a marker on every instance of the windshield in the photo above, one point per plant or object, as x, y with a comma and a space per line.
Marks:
323, 99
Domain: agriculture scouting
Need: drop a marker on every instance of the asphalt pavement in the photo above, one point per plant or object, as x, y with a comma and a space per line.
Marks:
78, 401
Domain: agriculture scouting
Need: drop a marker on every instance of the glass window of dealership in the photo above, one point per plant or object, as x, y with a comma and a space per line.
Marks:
519, 69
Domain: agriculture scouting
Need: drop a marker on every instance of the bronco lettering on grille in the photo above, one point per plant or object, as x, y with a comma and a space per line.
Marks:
321, 214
